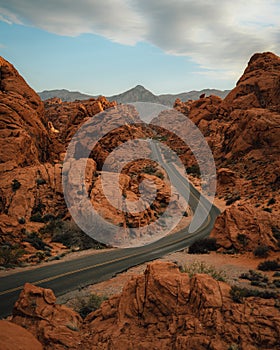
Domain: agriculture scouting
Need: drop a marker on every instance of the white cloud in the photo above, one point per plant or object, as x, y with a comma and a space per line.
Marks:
218, 35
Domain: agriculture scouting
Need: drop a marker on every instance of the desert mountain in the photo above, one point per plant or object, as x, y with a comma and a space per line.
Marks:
64, 95
136, 94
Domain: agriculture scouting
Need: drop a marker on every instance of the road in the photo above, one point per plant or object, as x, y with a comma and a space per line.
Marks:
70, 275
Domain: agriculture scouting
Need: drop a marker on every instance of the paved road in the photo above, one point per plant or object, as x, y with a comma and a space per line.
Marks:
70, 275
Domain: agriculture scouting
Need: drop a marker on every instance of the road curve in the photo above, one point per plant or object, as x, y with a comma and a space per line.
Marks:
70, 275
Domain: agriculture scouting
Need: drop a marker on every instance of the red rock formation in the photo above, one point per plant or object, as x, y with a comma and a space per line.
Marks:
24, 138
254, 225
14, 337
259, 86
56, 326
243, 133
162, 309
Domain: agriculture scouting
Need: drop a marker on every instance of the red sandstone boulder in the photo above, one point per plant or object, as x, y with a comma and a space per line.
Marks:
54, 325
244, 227
14, 337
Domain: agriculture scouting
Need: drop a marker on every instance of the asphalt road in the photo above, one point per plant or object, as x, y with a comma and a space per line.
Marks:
70, 275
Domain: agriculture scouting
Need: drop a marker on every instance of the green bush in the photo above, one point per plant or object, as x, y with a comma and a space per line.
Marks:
269, 265
91, 304
10, 255
149, 169
194, 170
202, 267
261, 251
254, 276
203, 246
69, 234
238, 294
36, 241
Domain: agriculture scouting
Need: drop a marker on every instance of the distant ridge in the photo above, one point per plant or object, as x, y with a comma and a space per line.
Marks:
64, 95
137, 94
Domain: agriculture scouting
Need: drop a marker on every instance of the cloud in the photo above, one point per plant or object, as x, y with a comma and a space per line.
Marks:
113, 19
218, 35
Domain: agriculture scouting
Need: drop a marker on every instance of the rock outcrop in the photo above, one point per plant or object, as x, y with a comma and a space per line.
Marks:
244, 227
243, 132
33, 140
55, 326
14, 337
162, 309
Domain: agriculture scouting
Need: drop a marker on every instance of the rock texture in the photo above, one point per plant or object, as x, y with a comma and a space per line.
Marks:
162, 309
33, 140
244, 135
14, 337
56, 326
244, 227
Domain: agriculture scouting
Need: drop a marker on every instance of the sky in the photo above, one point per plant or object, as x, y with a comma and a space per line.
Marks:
108, 46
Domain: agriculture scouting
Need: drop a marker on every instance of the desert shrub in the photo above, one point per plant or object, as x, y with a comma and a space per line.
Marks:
202, 267
194, 170
261, 251
276, 283
91, 304
276, 274
160, 175
10, 255
269, 210
232, 200
37, 217
269, 265
271, 201
254, 276
36, 241
238, 294
48, 217
69, 234
15, 185
149, 169
203, 246
242, 239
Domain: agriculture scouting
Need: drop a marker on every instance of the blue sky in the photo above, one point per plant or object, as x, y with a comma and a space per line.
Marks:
108, 46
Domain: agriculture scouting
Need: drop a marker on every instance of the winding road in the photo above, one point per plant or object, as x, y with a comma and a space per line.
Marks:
66, 276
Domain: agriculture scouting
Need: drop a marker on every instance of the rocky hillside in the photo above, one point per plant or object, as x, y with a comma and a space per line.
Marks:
244, 135
31, 153
137, 93
34, 139
162, 309
242, 130
64, 95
